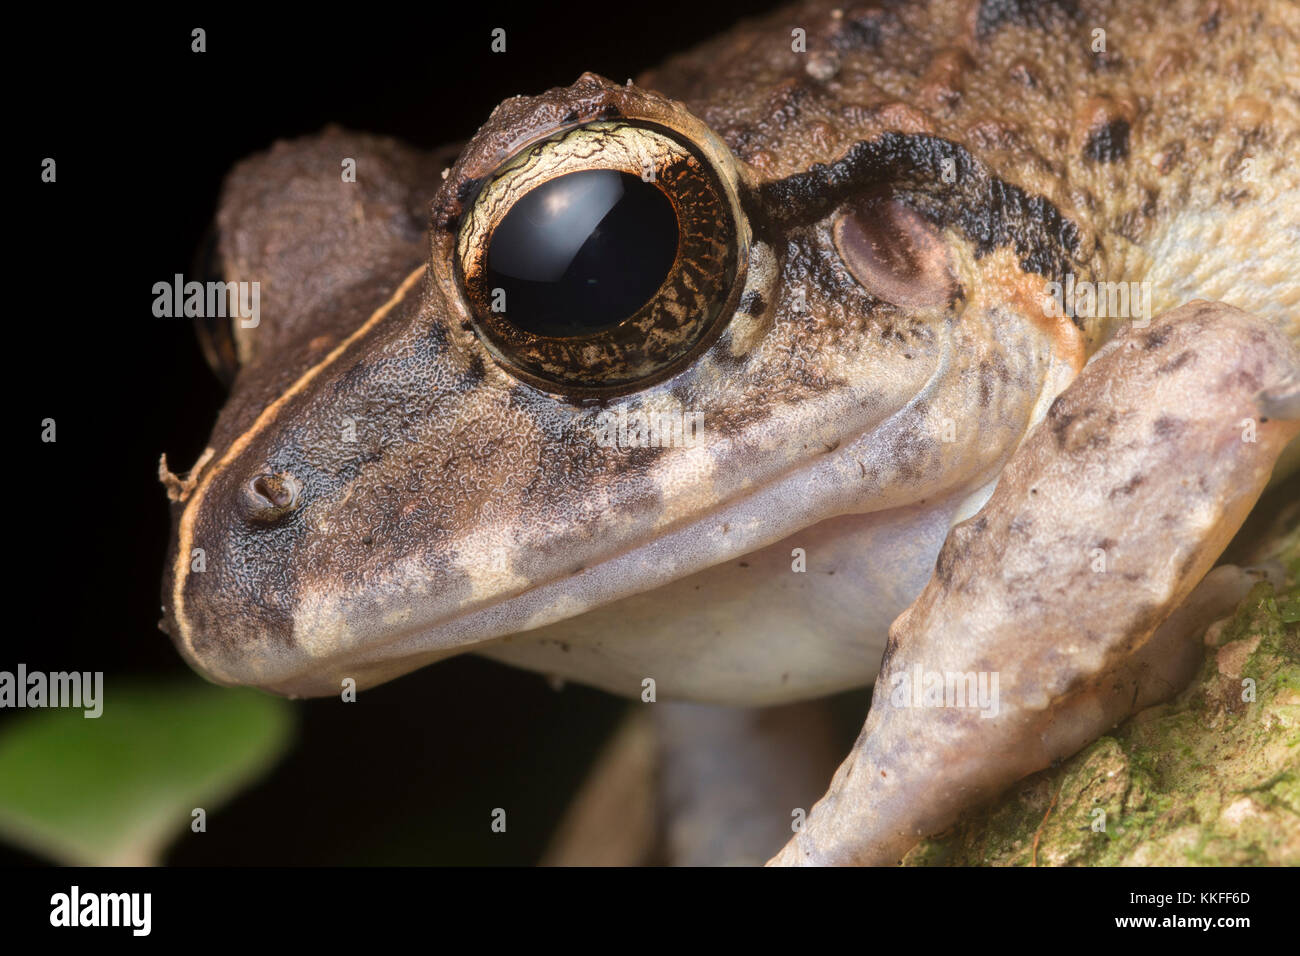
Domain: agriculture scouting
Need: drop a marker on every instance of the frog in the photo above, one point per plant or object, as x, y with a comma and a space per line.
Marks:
695, 385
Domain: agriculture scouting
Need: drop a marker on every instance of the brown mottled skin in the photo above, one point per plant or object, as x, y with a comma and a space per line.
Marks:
904, 190
1096, 533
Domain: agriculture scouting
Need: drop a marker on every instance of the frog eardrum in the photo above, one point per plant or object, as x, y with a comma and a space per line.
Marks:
600, 259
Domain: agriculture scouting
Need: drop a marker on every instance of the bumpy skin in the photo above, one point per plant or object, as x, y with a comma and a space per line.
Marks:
998, 152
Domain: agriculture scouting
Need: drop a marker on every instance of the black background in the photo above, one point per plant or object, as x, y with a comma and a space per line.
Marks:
143, 131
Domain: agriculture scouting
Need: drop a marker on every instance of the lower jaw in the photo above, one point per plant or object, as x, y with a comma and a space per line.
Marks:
803, 617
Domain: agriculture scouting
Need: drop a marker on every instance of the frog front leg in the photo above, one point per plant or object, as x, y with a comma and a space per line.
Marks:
1042, 624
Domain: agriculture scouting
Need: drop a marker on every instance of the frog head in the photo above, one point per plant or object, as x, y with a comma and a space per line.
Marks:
643, 371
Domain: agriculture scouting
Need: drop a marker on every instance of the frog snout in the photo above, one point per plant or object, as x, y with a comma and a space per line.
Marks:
231, 589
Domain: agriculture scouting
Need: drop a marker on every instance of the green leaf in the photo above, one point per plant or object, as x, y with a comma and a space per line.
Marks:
117, 789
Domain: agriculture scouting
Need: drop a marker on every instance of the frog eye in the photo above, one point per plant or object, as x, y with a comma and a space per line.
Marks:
601, 259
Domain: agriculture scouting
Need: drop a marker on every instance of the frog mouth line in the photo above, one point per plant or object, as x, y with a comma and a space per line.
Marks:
971, 486
744, 524
328, 627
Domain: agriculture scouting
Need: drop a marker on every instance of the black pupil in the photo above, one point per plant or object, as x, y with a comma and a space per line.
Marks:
581, 252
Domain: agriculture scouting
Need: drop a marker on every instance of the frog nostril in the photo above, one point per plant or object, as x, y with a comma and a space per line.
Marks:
270, 497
